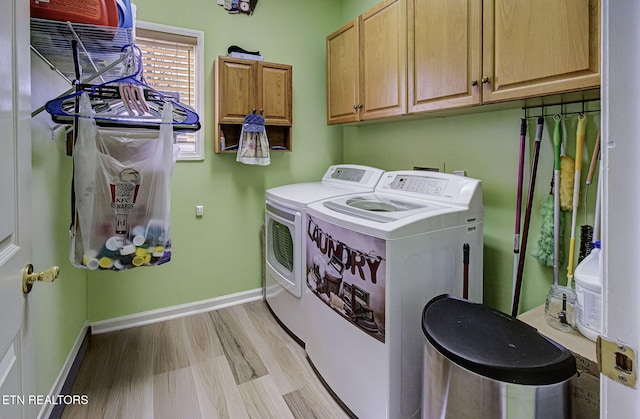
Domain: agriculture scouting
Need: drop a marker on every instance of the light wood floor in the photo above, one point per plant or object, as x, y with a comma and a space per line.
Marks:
235, 362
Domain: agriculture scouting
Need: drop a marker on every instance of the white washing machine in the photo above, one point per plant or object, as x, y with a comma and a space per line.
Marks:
285, 230
373, 261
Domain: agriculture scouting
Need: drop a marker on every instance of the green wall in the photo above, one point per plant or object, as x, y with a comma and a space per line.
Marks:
219, 254
354, 8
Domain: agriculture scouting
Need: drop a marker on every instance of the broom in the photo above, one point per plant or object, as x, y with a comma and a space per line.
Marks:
527, 217
516, 239
557, 139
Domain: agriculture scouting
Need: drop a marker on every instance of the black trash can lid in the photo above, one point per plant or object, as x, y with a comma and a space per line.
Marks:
493, 344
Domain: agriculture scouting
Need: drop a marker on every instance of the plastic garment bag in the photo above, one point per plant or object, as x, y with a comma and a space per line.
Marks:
122, 185
253, 147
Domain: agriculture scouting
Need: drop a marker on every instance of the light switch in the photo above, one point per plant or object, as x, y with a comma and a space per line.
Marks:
199, 210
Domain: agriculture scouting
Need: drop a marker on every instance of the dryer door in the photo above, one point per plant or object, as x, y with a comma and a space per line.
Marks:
283, 247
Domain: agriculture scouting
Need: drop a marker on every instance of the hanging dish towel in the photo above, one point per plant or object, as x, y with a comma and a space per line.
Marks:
253, 147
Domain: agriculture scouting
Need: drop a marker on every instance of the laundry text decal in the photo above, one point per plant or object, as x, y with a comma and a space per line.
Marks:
366, 264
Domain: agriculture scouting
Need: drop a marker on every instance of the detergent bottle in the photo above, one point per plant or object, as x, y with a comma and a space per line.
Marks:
589, 294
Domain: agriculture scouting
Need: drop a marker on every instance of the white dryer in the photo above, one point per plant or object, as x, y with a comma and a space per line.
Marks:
284, 237
373, 261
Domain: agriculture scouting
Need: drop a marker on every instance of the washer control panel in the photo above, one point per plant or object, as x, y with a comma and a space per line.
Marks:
352, 176
348, 174
446, 188
419, 184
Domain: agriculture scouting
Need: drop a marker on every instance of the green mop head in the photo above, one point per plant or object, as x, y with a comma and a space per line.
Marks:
544, 252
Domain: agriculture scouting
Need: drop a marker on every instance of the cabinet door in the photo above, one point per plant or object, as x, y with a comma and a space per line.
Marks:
274, 93
343, 74
533, 48
383, 60
444, 54
235, 89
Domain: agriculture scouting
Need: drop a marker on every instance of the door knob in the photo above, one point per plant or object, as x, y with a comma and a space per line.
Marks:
28, 277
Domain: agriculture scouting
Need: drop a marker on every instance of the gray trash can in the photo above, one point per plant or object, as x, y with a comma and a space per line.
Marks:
481, 363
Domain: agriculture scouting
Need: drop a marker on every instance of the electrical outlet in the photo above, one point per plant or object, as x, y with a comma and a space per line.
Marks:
432, 167
199, 210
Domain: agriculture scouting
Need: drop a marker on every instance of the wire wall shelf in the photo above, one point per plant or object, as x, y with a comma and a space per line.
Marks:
99, 48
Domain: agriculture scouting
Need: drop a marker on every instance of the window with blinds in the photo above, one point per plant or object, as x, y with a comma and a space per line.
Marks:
171, 63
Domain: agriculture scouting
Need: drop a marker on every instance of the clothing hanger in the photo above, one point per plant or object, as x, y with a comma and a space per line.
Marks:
125, 102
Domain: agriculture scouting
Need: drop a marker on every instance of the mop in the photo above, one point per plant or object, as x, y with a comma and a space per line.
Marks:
576, 195
549, 253
544, 251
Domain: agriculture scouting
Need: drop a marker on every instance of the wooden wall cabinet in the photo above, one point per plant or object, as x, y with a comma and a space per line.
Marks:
246, 86
538, 48
469, 52
343, 74
444, 54
460, 53
366, 66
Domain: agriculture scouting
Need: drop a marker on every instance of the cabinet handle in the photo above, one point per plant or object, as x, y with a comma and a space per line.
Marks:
484, 79
474, 82
355, 107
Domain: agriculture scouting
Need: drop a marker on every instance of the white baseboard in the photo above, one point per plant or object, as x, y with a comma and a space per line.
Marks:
47, 408
173, 312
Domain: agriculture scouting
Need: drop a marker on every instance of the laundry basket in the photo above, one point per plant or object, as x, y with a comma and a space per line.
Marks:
482, 363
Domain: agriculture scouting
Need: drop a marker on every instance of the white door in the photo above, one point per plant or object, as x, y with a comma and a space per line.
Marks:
621, 224
16, 371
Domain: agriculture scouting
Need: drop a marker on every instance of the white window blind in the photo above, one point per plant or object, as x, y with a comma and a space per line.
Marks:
170, 64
